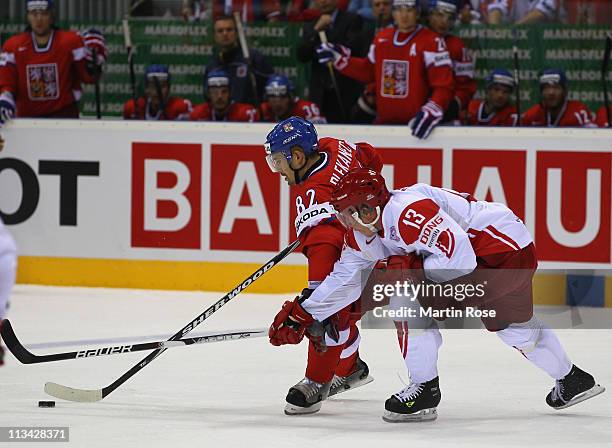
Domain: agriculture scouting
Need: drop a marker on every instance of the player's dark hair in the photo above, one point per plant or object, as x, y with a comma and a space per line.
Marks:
225, 17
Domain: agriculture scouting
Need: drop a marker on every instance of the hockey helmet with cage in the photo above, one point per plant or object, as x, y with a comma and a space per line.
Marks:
287, 134
359, 187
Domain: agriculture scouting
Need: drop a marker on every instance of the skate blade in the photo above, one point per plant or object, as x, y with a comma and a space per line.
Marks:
592, 392
367, 380
291, 409
421, 416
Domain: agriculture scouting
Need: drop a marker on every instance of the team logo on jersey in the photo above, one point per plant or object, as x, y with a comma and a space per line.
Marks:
446, 242
393, 234
43, 82
395, 79
241, 72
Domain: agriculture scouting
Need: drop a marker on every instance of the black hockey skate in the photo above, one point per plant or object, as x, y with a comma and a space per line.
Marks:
415, 403
306, 397
575, 387
359, 377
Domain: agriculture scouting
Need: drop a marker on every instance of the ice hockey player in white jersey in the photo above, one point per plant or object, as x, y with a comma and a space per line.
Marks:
8, 264
435, 236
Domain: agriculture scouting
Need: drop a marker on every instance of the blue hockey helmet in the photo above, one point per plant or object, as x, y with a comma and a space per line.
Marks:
161, 72
279, 85
553, 76
287, 134
217, 78
451, 6
500, 76
406, 4
39, 5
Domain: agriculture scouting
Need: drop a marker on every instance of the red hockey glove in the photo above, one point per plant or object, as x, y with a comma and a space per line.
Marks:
290, 324
410, 266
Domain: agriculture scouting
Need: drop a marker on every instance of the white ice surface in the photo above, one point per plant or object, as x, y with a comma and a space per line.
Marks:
231, 394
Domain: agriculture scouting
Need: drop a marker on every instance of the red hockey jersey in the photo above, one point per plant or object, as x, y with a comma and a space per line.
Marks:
573, 114
409, 69
463, 69
602, 117
236, 112
315, 221
476, 117
301, 108
44, 81
175, 109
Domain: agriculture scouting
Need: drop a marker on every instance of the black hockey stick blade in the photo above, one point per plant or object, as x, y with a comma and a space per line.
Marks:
26, 357
13, 344
93, 395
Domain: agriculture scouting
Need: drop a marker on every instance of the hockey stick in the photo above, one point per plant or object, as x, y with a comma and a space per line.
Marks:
247, 56
604, 77
97, 74
84, 395
517, 78
127, 37
332, 74
160, 96
24, 356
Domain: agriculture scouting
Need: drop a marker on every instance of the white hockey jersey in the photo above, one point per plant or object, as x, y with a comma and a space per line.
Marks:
7, 244
448, 229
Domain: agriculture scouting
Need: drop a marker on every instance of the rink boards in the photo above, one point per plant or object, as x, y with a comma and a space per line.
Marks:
194, 206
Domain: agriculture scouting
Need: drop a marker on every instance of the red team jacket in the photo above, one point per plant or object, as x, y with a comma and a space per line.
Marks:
408, 70
463, 68
236, 112
315, 221
301, 108
44, 82
574, 113
602, 117
475, 115
176, 109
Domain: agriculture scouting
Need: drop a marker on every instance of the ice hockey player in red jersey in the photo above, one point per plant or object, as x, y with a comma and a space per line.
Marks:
219, 105
313, 167
281, 102
439, 237
602, 117
554, 109
411, 67
496, 109
41, 69
157, 81
441, 15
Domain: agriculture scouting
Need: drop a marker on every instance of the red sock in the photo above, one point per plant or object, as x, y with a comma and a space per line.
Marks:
347, 365
321, 366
